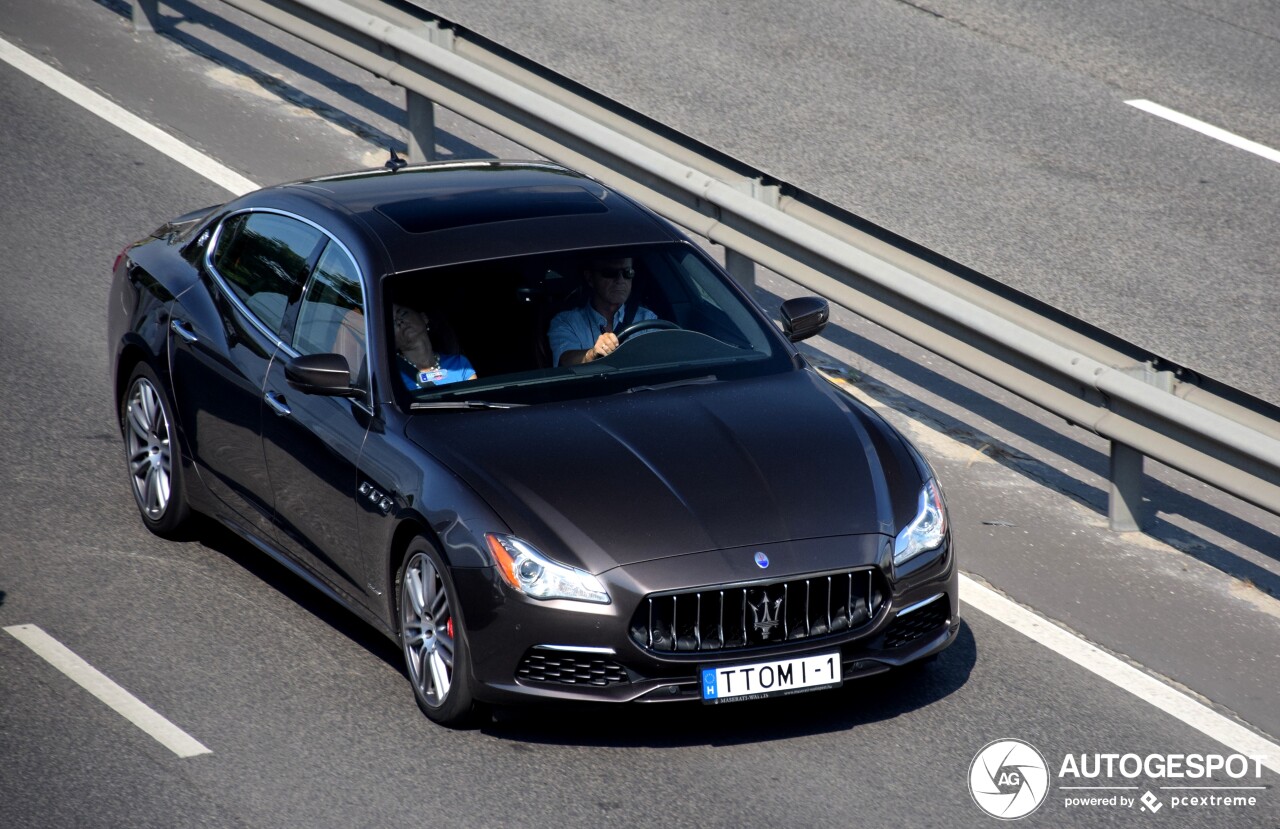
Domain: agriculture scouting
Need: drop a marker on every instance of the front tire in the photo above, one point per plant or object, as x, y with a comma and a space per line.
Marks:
436, 654
151, 451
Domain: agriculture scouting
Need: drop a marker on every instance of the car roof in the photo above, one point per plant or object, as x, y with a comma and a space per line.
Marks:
450, 213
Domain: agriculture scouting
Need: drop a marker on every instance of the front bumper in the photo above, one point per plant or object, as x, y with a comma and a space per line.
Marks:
524, 650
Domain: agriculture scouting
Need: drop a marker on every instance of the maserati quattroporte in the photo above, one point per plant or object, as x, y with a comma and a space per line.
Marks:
531, 432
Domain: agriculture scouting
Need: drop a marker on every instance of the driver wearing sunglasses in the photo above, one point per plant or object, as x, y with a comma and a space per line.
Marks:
589, 332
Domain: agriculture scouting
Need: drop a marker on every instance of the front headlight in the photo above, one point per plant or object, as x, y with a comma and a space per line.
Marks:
538, 577
927, 530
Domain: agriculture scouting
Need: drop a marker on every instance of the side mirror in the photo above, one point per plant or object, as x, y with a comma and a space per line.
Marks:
804, 316
326, 374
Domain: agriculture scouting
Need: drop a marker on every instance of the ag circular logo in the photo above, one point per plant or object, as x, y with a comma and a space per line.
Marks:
1008, 779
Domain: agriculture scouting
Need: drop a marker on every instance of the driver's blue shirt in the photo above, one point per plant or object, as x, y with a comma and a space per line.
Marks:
578, 328
454, 368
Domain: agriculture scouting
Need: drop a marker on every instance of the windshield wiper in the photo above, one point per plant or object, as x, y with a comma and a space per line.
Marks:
692, 381
463, 404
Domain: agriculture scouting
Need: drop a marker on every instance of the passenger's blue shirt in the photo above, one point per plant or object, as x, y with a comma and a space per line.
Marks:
454, 368
578, 328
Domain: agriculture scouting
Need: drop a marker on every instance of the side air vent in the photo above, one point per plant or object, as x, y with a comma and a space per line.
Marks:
917, 622
567, 667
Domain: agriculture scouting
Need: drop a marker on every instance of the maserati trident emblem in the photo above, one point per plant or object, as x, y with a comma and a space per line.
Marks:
762, 560
766, 618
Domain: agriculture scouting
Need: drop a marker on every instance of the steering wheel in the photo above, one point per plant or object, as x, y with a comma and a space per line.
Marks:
645, 325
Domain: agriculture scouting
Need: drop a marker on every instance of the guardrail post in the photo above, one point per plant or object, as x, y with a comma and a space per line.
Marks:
1124, 503
742, 268
422, 126
420, 111
146, 13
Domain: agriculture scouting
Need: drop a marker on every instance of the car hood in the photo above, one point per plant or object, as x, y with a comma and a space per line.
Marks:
612, 481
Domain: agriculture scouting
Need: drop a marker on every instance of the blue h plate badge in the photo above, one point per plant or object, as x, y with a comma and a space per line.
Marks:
708, 683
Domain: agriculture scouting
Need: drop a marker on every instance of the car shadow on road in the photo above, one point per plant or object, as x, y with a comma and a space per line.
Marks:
674, 724
221, 540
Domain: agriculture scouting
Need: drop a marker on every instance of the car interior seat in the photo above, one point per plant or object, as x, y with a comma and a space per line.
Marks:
552, 292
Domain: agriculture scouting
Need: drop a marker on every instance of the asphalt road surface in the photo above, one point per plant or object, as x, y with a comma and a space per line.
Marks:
306, 715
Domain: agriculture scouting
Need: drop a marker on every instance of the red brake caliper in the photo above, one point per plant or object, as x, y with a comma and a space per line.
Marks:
449, 627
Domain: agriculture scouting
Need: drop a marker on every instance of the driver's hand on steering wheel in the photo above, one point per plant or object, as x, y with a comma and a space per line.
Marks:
606, 344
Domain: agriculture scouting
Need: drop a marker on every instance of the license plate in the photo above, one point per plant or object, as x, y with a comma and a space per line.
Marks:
731, 683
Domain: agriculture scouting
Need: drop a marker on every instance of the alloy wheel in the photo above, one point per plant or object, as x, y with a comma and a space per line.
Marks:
147, 444
427, 630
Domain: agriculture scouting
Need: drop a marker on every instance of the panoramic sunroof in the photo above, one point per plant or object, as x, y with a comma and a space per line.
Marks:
460, 208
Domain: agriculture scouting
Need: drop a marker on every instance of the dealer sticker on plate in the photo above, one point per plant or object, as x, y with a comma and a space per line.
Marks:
767, 679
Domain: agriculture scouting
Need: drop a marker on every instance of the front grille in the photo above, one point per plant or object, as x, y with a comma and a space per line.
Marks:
917, 623
570, 668
747, 616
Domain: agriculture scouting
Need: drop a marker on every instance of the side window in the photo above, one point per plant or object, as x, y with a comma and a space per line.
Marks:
264, 257
331, 316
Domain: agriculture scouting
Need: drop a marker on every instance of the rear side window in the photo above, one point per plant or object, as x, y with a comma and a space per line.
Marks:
264, 259
331, 317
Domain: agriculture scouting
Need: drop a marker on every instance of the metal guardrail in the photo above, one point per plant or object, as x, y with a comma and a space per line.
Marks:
1146, 406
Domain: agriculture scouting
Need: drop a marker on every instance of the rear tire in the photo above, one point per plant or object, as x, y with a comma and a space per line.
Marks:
152, 455
437, 657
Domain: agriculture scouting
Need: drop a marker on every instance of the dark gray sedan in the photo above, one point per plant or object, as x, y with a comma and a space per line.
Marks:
527, 429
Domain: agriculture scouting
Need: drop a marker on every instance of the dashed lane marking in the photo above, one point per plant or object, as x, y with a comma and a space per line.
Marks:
118, 116
1204, 128
101, 686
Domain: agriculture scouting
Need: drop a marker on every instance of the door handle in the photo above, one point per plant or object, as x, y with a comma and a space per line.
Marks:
277, 403
183, 330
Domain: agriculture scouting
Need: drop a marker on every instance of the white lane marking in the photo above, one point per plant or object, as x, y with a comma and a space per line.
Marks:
116, 115
1173, 702
1121, 674
118, 699
1206, 129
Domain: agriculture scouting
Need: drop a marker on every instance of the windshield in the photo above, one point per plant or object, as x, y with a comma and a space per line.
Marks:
583, 323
